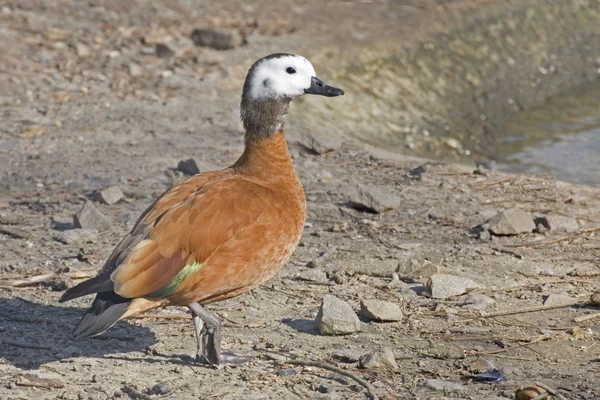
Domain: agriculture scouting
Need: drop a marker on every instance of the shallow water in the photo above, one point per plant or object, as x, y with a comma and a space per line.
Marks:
561, 138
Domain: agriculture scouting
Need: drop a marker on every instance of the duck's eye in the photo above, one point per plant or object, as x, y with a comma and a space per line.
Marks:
290, 70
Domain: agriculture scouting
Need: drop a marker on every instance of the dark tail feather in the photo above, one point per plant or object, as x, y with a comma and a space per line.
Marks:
106, 310
98, 284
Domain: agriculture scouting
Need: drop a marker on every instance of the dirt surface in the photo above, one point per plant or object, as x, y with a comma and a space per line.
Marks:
88, 102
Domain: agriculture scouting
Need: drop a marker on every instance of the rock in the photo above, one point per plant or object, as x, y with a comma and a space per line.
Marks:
134, 69
160, 389
348, 355
61, 223
188, 167
163, 51
219, 39
76, 236
318, 261
371, 199
378, 310
378, 359
511, 222
110, 195
313, 275
81, 50
557, 299
336, 317
326, 388
88, 217
595, 298
559, 223
415, 271
322, 144
443, 386
477, 301
442, 286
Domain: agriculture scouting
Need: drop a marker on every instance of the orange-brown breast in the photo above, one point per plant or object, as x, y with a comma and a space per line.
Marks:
237, 226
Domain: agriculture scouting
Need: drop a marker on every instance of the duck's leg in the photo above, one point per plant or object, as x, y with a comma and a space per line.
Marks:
208, 337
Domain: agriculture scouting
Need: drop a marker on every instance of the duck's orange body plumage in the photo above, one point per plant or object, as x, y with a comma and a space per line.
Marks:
217, 234
240, 224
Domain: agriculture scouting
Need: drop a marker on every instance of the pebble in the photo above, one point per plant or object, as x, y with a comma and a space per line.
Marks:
313, 275
322, 144
477, 301
336, 317
378, 359
415, 271
442, 286
559, 223
219, 39
188, 167
160, 389
111, 195
444, 386
163, 51
378, 310
595, 298
76, 236
557, 299
511, 222
61, 223
326, 388
348, 355
135, 70
82, 50
89, 217
371, 199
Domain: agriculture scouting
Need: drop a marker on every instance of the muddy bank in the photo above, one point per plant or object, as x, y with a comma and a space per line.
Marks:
451, 92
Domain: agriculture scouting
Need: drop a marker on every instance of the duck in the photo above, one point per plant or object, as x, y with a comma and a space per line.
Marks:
218, 234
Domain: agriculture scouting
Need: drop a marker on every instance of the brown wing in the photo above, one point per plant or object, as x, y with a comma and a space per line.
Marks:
189, 232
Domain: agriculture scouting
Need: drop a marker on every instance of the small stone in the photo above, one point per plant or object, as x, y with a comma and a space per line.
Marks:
82, 50
318, 261
313, 275
477, 301
559, 223
188, 167
76, 236
322, 144
59, 283
89, 217
595, 298
484, 235
372, 199
110, 195
163, 51
414, 271
61, 223
326, 388
482, 365
378, 310
160, 389
511, 222
348, 355
287, 372
336, 317
442, 286
378, 359
219, 39
557, 299
135, 70
441, 385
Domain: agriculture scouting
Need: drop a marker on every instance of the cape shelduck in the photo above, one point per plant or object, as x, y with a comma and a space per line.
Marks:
217, 234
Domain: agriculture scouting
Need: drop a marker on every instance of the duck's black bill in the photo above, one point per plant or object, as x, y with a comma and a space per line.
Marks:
318, 87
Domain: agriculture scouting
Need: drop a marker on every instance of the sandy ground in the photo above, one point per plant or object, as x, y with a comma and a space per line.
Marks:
86, 102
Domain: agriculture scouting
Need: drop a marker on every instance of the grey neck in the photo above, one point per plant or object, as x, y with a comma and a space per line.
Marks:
262, 118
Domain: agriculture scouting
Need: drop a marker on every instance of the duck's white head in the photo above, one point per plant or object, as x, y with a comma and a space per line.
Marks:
284, 76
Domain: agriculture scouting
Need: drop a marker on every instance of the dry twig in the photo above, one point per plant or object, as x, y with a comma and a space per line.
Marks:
531, 309
587, 317
33, 280
337, 370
